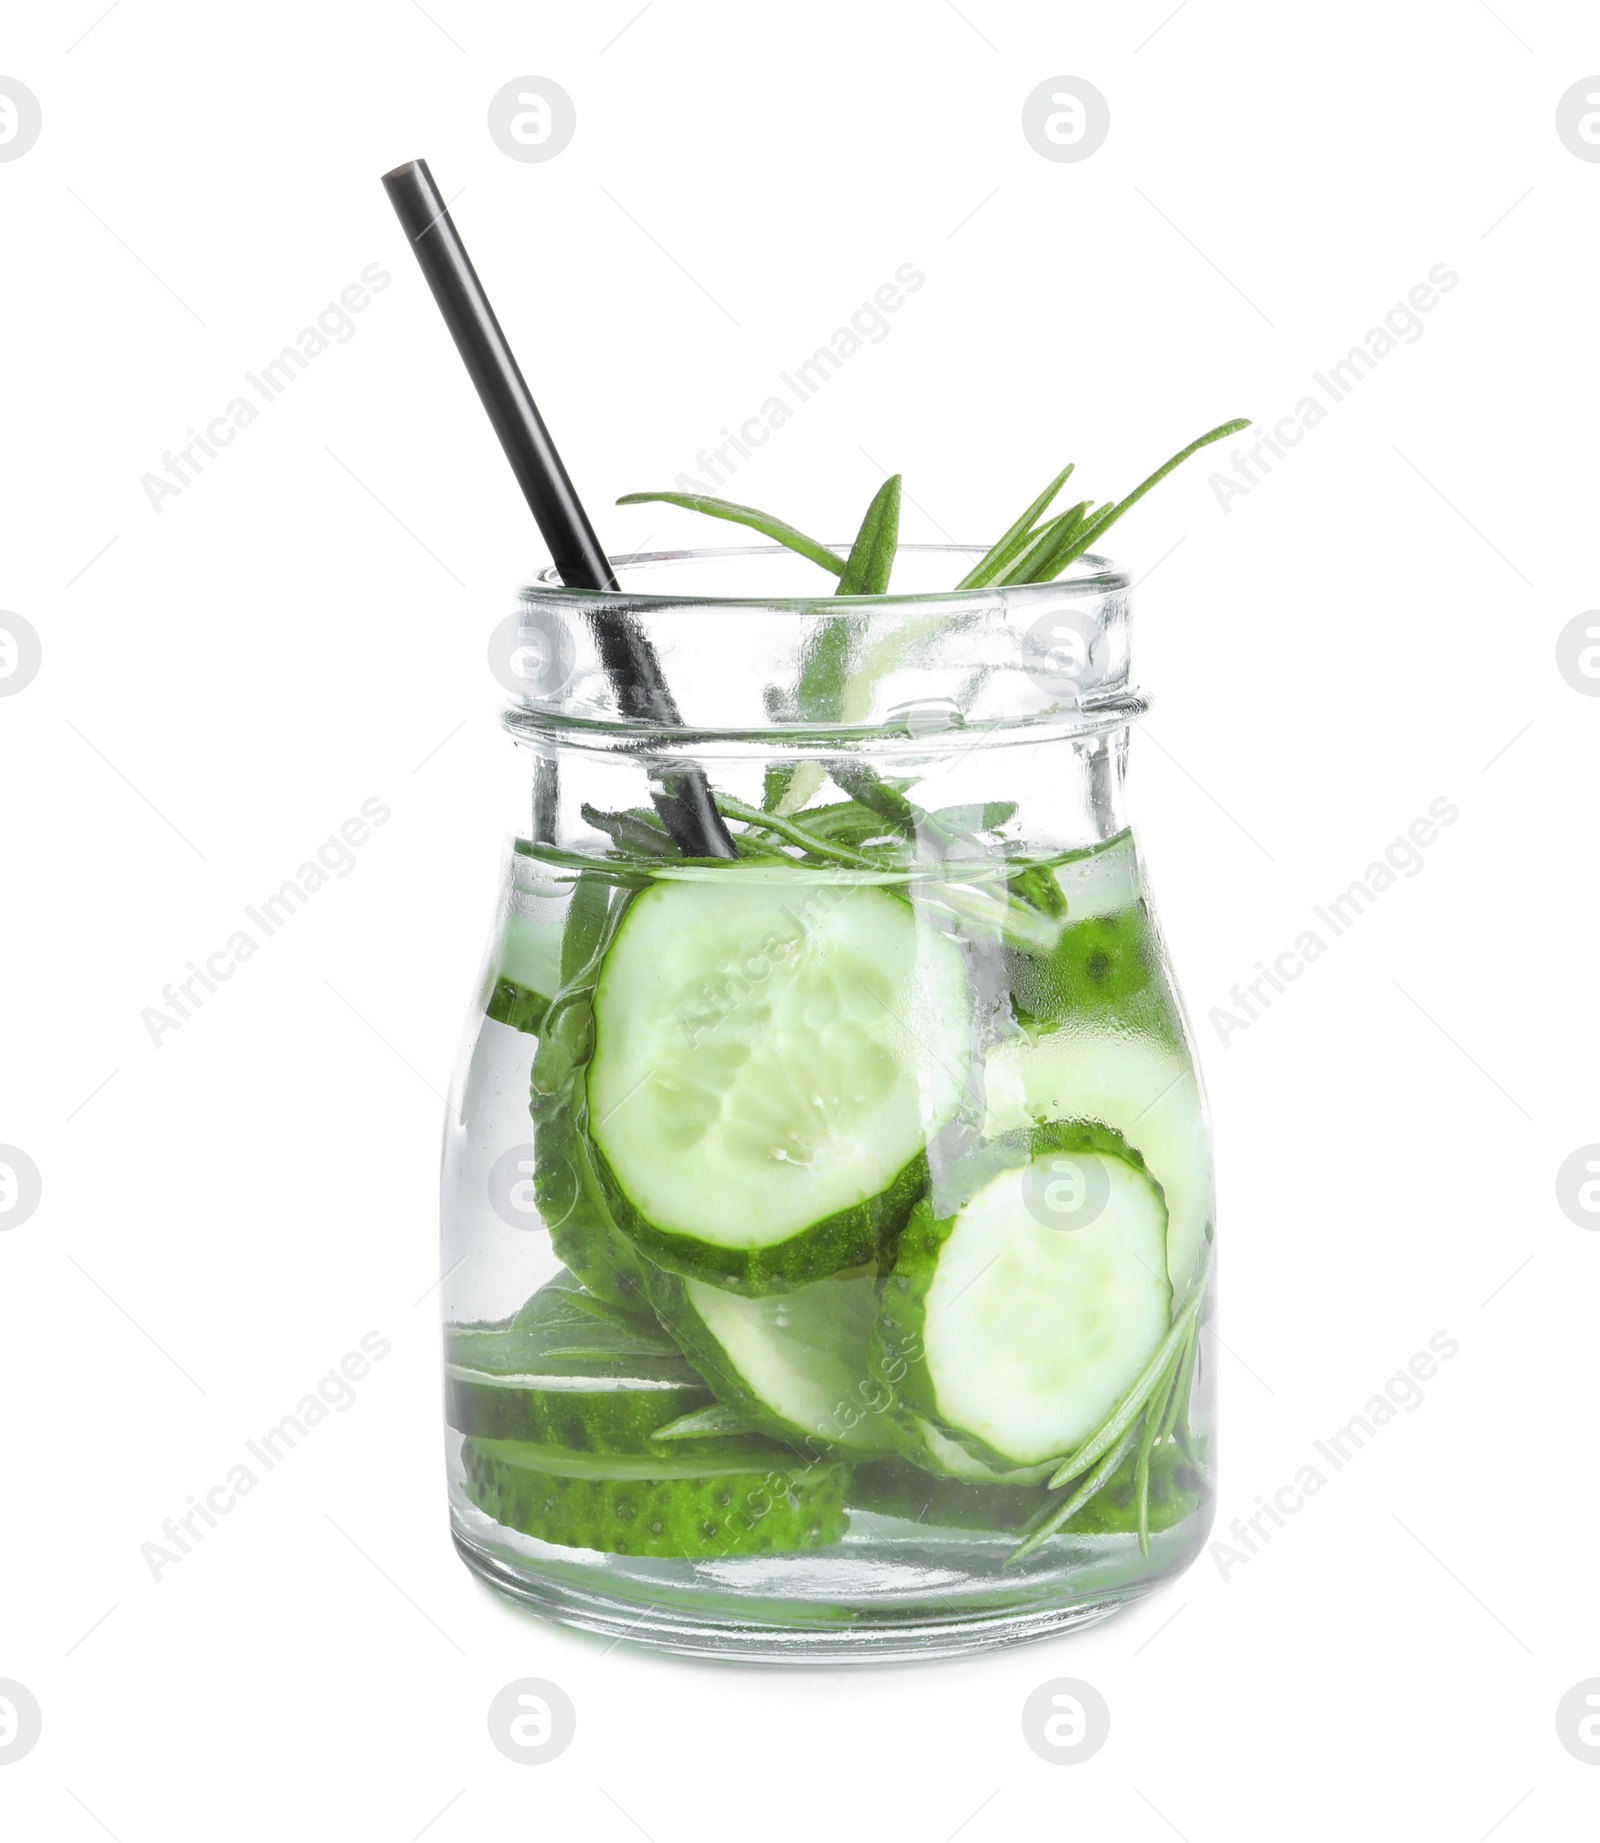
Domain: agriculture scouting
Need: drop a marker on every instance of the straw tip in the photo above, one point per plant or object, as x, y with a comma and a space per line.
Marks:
406, 170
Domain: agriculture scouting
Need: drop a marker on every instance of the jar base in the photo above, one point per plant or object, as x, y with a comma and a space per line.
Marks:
755, 1629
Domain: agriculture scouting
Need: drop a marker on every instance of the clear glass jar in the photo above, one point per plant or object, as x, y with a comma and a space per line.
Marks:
827, 1227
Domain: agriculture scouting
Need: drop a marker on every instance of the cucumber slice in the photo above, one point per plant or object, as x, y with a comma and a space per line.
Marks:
895, 1488
1019, 1336
1145, 1090
794, 1364
560, 1374
577, 1212
762, 1510
933, 1449
567, 1188
770, 1060
1106, 965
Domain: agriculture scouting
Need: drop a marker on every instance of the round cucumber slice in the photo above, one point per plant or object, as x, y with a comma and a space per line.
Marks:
770, 1060
761, 1510
794, 1364
1019, 1333
1141, 1088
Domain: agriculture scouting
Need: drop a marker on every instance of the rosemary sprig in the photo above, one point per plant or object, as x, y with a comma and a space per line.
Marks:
1139, 1393
988, 567
867, 568
1028, 551
794, 834
1090, 1487
1103, 520
1036, 560
763, 522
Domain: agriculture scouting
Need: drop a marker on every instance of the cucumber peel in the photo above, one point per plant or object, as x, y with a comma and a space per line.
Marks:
567, 1188
762, 1510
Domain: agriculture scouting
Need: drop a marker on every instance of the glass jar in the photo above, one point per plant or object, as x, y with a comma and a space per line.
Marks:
827, 1202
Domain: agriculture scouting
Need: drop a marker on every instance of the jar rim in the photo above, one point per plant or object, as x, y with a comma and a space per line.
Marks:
818, 669
1102, 576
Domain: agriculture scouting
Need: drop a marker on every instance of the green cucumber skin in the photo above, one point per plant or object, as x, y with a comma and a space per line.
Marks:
575, 1420
566, 1187
575, 1208
855, 1237
586, 1239
736, 1513
673, 1306
1102, 969
898, 1342
897, 1488
898, 1348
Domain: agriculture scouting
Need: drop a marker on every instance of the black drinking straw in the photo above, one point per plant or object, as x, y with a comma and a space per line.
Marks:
686, 806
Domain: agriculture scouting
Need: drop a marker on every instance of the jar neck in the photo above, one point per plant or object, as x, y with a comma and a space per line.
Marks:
1040, 798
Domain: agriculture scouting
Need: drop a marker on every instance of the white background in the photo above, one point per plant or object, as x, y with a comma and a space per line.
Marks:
304, 627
